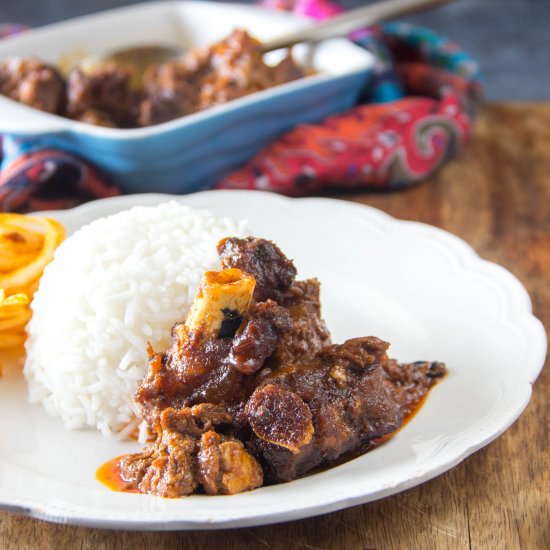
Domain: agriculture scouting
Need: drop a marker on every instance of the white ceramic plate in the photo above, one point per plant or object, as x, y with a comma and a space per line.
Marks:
418, 287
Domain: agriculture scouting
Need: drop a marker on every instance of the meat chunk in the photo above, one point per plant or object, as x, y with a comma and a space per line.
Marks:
169, 91
238, 69
171, 472
308, 333
188, 452
273, 271
102, 96
166, 467
214, 371
263, 331
411, 381
280, 416
34, 83
134, 466
226, 467
208, 76
185, 376
350, 397
275, 280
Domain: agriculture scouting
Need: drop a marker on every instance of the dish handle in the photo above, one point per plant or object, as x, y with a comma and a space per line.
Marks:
19, 119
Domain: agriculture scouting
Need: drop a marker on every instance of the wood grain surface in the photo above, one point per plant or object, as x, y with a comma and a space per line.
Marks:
496, 196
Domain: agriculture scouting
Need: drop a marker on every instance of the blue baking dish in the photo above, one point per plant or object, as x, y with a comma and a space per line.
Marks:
194, 151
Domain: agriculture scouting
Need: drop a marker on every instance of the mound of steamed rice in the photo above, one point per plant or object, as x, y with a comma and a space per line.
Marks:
115, 285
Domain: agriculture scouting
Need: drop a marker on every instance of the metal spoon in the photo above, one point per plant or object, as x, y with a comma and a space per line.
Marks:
142, 56
342, 25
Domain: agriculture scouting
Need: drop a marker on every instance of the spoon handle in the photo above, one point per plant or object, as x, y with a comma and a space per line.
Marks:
352, 20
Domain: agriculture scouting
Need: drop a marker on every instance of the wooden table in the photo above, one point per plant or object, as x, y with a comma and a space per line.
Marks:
496, 196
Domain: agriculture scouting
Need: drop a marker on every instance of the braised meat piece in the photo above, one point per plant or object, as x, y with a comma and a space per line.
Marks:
222, 341
350, 396
184, 376
169, 92
225, 466
237, 68
208, 76
273, 271
34, 83
102, 96
308, 333
275, 279
411, 381
189, 453
264, 329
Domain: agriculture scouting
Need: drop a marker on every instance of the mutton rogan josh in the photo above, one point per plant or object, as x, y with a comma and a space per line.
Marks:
252, 390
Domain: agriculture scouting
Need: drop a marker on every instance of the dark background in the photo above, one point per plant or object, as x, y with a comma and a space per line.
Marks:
510, 38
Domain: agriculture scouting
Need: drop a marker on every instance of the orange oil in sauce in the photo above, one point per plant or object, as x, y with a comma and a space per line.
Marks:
110, 475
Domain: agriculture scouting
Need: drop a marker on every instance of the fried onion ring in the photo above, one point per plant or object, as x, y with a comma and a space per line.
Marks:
27, 245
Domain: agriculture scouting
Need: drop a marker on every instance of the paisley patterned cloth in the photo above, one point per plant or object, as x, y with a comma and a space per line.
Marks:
387, 145
47, 179
415, 113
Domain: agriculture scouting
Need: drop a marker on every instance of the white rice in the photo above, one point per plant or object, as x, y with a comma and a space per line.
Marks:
115, 285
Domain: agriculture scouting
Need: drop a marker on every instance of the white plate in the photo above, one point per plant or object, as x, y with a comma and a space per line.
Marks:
420, 288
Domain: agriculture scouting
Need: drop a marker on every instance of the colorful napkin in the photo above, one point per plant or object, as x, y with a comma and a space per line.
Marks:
416, 111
